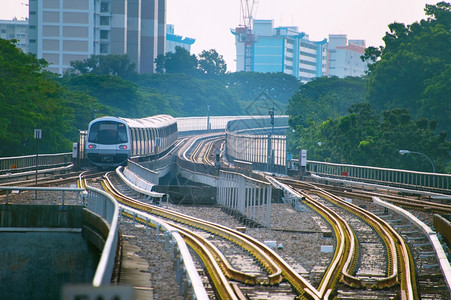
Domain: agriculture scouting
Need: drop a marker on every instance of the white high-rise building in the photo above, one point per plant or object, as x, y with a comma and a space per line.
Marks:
344, 56
15, 30
62, 31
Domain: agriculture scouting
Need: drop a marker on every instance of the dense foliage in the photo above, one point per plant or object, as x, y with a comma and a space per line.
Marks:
406, 103
325, 98
364, 137
31, 99
413, 69
113, 64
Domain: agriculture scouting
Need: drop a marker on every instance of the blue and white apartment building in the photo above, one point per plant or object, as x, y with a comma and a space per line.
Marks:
284, 49
173, 40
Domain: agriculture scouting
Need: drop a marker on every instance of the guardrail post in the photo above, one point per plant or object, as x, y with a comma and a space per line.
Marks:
268, 207
178, 275
166, 241
158, 232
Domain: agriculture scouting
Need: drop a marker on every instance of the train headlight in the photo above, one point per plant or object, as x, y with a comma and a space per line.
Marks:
92, 146
123, 147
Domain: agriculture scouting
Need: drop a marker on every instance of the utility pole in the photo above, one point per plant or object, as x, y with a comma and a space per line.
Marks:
270, 155
37, 136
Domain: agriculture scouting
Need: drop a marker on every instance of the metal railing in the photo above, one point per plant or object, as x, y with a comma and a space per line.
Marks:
196, 124
248, 196
395, 177
11, 189
431, 235
266, 152
191, 286
28, 162
105, 206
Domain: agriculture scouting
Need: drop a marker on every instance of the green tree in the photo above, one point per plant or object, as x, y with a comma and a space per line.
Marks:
324, 98
190, 96
111, 64
30, 98
118, 96
364, 137
179, 62
249, 85
412, 70
211, 64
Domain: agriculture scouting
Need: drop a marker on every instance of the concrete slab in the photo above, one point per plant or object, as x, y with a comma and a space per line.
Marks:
135, 272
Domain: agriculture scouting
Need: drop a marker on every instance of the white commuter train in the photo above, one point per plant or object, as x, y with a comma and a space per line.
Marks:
111, 141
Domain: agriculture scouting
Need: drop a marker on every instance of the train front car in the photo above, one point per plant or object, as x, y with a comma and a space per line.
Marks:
108, 142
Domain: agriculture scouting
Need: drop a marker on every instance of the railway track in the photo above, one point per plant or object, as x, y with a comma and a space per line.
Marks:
426, 279
349, 275
276, 270
205, 150
409, 202
42, 180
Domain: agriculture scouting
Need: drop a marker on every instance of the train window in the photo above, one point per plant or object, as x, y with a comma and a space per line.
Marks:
134, 145
141, 138
122, 133
147, 140
108, 133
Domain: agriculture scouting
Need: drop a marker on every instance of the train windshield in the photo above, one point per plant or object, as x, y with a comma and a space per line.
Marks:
108, 133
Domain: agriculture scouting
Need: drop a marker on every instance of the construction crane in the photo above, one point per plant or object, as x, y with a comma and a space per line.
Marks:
248, 11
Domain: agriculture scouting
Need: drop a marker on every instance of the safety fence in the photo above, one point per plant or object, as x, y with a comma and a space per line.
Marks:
247, 196
394, 177
196, 124
105, 206
28, 162
266, 152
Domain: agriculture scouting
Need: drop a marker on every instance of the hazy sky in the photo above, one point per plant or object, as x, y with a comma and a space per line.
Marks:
209, 21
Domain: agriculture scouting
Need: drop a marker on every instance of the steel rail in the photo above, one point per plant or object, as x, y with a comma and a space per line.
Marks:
344, 251
380, 226
224, 264
194, 280
198, 287
278, 269
222, 285
275, 276
401, 267
204, 249
409, 203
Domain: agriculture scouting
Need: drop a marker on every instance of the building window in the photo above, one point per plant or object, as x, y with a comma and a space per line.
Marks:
32, 13
32, 27
32, 41
104, 20
104, 7
103, 34
103, 48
